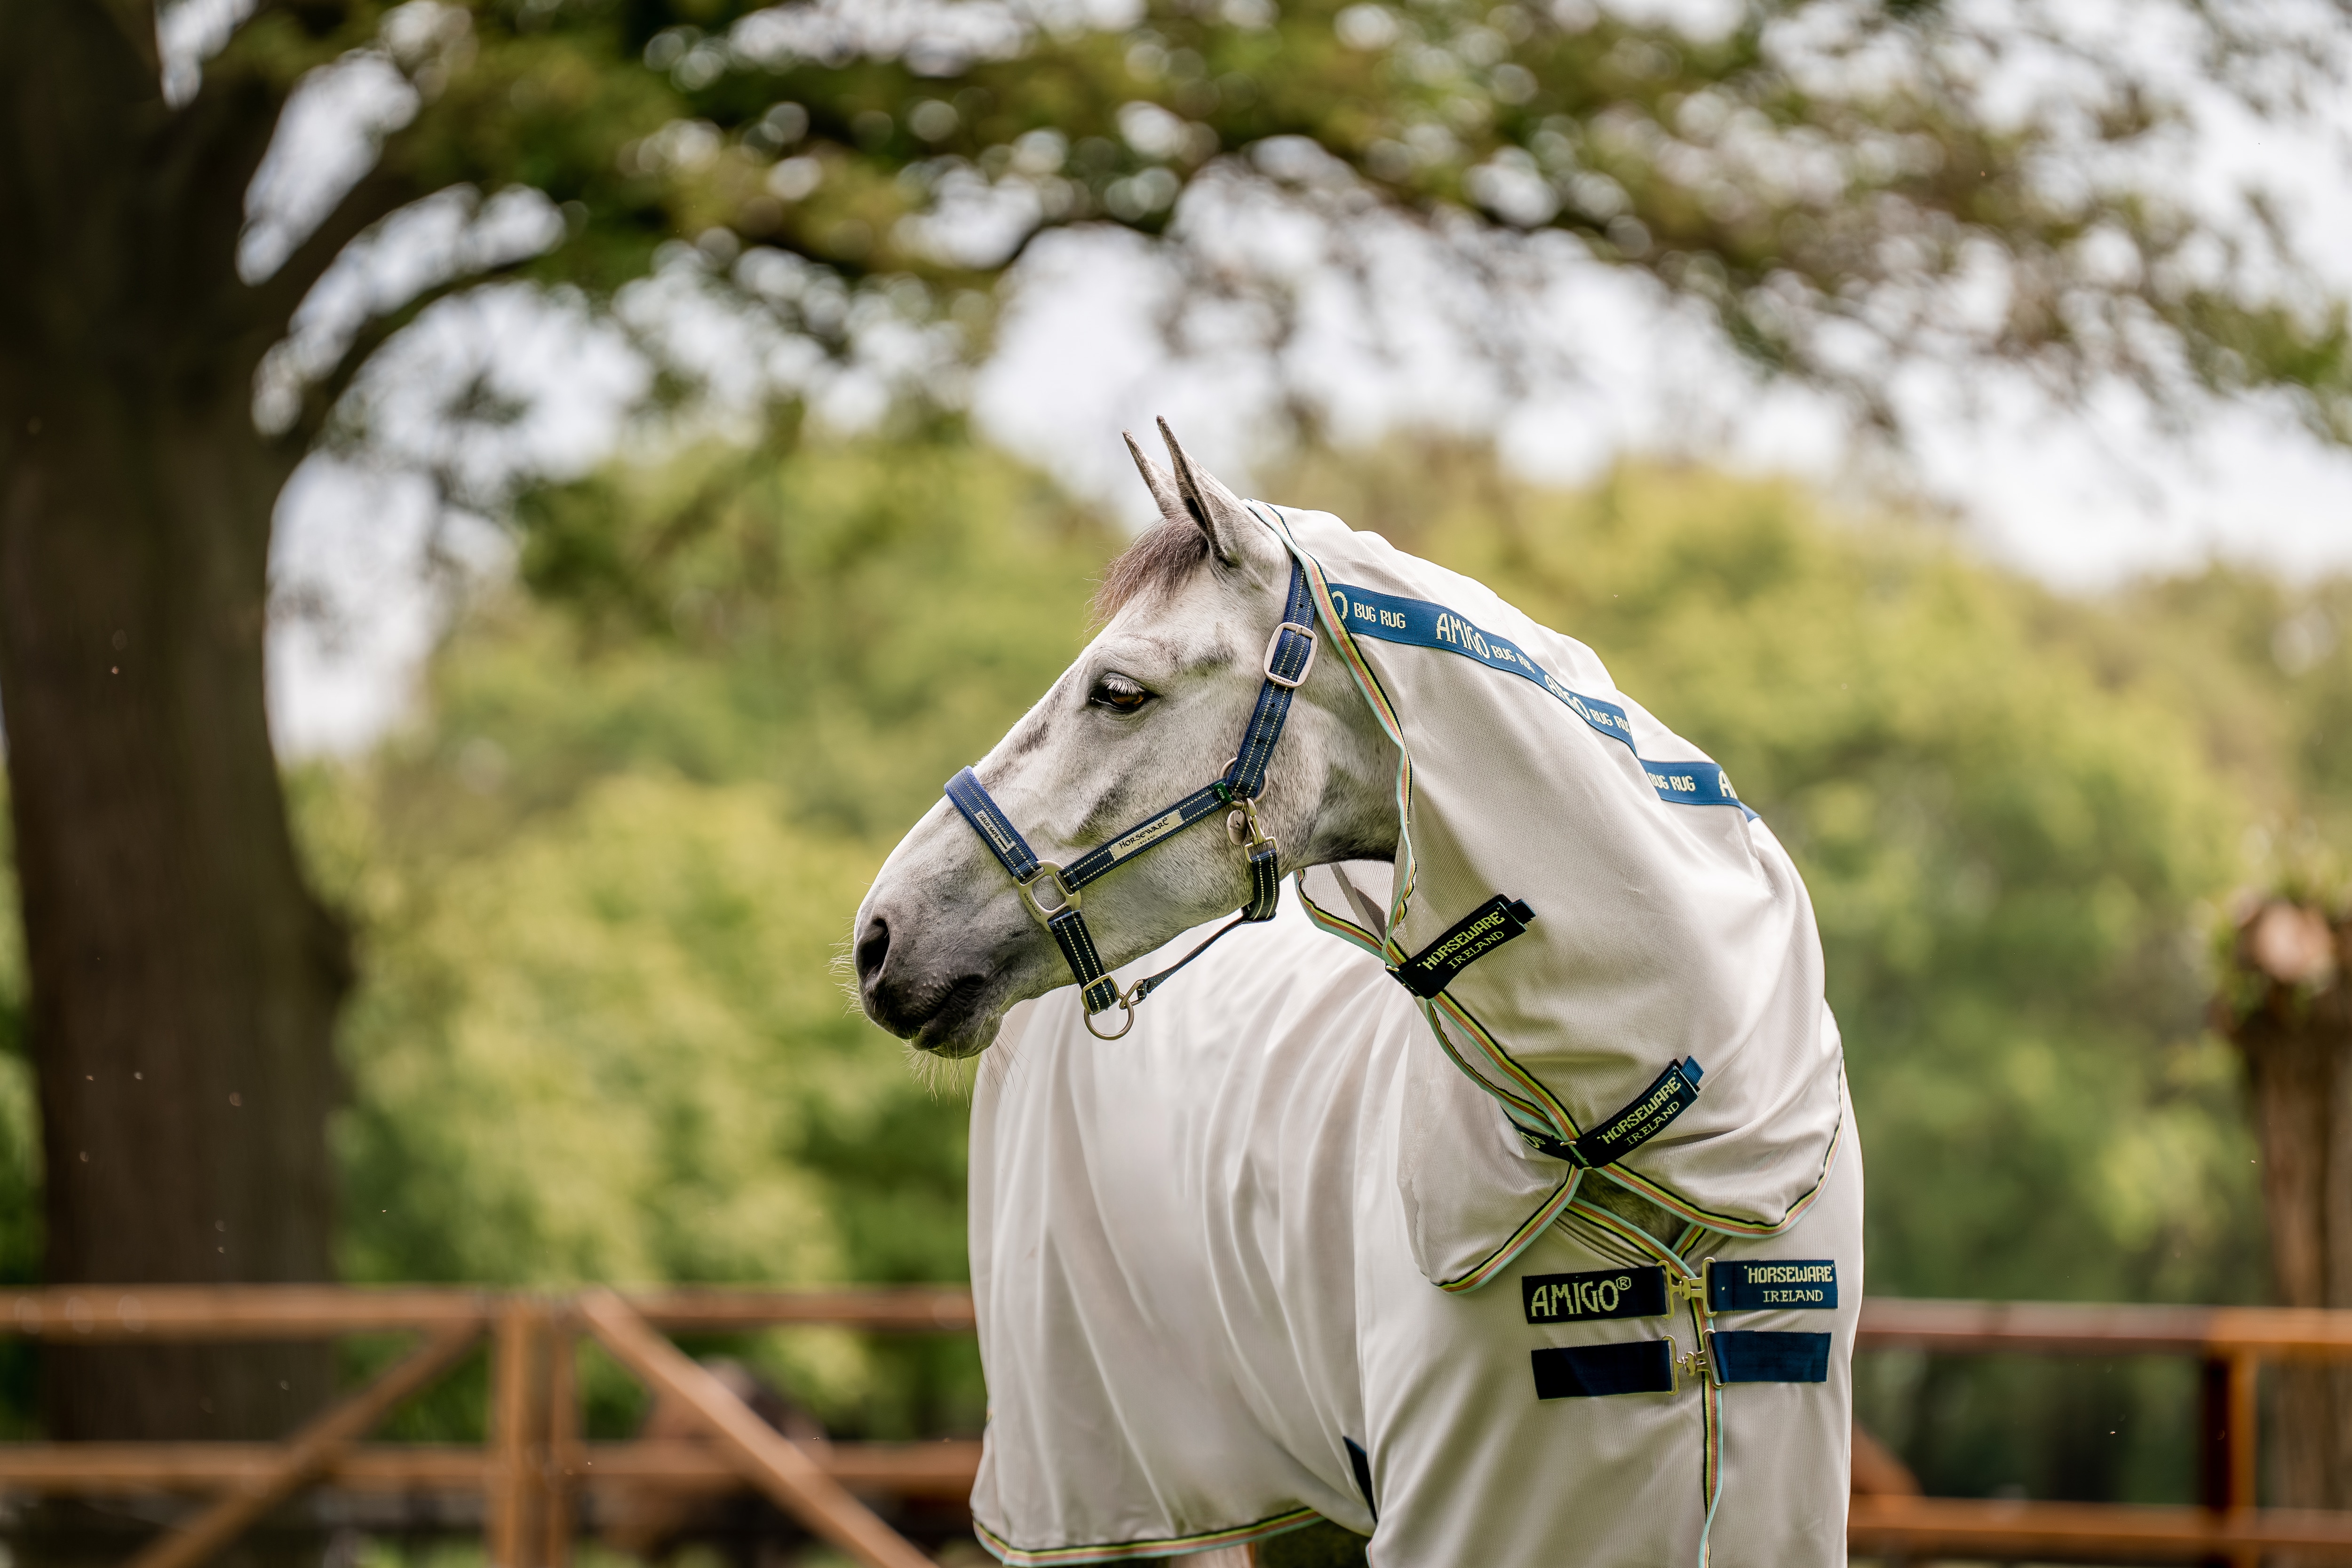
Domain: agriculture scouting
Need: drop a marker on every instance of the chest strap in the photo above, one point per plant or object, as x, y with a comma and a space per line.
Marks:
1667, 1098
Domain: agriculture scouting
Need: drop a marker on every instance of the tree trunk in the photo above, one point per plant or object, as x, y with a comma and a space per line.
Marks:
2294, 1024
183, 980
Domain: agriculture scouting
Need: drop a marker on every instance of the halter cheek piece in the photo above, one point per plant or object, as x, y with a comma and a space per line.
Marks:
1051, 891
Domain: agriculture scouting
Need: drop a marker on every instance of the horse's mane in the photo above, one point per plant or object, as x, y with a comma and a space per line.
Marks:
1161, 558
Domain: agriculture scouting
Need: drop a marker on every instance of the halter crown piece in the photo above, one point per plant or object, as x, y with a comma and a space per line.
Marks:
1051, 891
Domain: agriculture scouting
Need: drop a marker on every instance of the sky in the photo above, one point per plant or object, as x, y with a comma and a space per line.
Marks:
2081, 496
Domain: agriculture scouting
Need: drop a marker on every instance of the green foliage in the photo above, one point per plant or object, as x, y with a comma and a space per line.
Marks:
603, 890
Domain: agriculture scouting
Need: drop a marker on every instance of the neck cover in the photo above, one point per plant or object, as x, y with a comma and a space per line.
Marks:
1600, 935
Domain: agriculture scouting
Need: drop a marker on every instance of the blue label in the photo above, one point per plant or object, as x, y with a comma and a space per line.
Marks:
1421, 624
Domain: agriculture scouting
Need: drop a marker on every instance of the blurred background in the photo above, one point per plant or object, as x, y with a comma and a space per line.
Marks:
509, 508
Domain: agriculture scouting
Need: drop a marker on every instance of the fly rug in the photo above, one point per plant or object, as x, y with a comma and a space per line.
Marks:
1522, 1226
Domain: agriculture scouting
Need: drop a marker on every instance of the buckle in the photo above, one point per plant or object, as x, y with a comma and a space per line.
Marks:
1243, 831
1065, 896
1273, 646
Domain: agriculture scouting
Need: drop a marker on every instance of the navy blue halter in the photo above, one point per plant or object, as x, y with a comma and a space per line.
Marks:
1051, 891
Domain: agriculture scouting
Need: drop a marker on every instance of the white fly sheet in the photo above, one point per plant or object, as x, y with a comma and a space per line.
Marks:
1196, 1286
1202, 1254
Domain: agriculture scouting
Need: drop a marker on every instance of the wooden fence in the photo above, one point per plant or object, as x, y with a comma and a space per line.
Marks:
536, 1466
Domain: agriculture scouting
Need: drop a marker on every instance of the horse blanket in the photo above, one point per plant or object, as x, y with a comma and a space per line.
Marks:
1203, 1318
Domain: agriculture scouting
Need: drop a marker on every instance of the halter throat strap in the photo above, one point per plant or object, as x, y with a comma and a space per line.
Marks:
1053, 893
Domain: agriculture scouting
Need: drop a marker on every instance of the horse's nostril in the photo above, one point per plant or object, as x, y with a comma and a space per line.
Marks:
872, 948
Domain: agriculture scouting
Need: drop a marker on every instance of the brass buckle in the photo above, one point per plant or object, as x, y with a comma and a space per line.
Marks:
1691, 1288
1692, 1366
1274, 645
1066, 896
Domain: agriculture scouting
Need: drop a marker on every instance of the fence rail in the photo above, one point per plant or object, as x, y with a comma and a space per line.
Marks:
536, 1466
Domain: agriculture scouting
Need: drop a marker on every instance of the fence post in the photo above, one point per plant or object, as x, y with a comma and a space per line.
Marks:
564, 1448
518, 1502
2227, 1425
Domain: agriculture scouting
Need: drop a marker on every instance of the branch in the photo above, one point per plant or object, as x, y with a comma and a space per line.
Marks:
273, 301
319, 400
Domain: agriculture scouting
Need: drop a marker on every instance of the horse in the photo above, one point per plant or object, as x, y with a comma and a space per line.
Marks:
1234, 1271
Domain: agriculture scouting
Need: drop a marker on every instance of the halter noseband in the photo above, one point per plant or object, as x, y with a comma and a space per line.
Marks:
1051, 891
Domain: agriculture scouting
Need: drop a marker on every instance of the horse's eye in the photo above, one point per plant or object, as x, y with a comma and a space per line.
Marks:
1118, 694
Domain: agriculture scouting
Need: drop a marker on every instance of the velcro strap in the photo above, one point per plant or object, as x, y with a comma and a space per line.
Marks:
994, 828
1593, 1371
1636, 1293
1667, 1098
1469, 939
1754, 1355
1770, 1285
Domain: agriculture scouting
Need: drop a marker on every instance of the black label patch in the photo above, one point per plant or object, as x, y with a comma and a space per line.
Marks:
1602, 1293
1762, 1284
1473, 936
1645, 1119
1593, 1371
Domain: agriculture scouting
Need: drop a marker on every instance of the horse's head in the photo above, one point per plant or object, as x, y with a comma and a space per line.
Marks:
1153, 709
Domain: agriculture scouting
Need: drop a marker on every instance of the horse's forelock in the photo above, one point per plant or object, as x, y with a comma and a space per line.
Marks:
1162, 557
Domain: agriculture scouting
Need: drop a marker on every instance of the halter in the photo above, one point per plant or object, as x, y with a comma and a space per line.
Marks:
1051, 892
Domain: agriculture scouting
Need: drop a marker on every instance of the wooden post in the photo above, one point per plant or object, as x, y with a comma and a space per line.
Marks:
563, 1445
765, 1457
2287, 1005
518, 1521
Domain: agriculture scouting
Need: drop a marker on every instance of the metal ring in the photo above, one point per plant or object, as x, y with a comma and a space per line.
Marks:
1129, 1024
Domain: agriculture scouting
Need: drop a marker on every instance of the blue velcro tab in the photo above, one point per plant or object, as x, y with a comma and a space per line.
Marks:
1752, 1355
1765, 1284
1590, 1371
1603, 1294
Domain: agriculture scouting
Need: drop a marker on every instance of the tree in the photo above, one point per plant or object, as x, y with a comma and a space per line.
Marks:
1811, 177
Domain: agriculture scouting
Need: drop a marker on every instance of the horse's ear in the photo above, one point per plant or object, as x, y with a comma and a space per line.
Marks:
1159, 481
1220, 512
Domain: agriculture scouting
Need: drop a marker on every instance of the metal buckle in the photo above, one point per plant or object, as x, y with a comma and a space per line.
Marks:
1069, 896
1273, 645
1243, 831
1692, 1365
1692, 1289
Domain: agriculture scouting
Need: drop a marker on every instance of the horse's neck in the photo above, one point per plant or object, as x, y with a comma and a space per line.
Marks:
1356, 811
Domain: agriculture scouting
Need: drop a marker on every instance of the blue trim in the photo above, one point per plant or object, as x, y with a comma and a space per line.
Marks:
1417, 623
